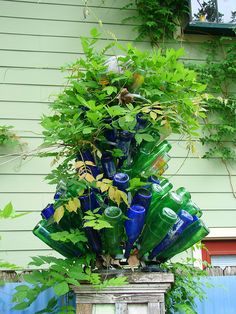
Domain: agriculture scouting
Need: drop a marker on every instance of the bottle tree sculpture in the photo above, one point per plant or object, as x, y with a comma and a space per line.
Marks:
109, 128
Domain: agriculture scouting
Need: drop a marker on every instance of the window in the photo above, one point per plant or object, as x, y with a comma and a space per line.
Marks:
212, 16
220, 252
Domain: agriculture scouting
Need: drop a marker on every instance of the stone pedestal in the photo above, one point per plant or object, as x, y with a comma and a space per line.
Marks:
144, 294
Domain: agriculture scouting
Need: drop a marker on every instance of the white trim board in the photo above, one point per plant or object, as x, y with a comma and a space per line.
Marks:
221, 233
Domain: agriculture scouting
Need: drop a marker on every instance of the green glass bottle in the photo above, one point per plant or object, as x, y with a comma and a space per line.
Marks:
160, 190
43, 231
158, 167
112, 237
146, 148
147, 156
184, 194
171, 200
193, 209
155, 230
191, 235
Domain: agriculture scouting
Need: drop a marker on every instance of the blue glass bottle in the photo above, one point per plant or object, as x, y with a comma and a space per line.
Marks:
123, 142
108, 165
154, 179
141, 121
89, 202
87, 156
109, 133
48, 212
184, 220
142, 197
60, 190
121, 181
134, 226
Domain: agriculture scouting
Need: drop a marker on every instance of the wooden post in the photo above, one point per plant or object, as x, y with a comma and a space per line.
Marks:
143, 288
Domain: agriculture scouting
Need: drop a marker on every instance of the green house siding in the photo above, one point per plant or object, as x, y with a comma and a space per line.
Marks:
36, 39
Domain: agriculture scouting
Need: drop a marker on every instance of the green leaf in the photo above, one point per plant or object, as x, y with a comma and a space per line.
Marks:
88, 130
116, 111
94, 32
61, 288
36, 261
74, 236
110, 90
73, 281
139, 137
21, 306
8, 210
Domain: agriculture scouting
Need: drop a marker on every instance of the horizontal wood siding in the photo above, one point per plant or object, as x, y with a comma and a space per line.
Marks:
36, 39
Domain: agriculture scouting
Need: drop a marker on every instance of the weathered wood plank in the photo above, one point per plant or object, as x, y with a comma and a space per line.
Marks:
215, 271
150, 278
120, 298
154, 308
84, 308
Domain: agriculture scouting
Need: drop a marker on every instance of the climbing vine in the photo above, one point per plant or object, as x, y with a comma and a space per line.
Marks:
219, 73
220, 77
160, 19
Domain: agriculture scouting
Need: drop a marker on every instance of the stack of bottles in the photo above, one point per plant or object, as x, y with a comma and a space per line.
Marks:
158, 222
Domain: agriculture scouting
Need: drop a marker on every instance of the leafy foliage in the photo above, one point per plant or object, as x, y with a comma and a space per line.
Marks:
74, 236
160, 19
95, 220
186, 288
60, 274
